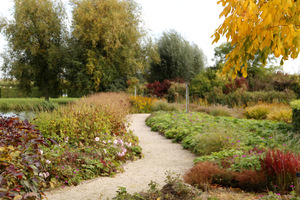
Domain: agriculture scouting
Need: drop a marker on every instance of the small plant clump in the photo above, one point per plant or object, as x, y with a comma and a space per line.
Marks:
174, 188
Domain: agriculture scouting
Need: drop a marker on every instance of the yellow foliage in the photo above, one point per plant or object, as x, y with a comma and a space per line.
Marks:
142, 104
281, 114
273, 111
259, 26
259, 111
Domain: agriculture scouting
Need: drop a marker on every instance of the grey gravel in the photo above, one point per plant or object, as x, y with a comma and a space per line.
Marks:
161, 155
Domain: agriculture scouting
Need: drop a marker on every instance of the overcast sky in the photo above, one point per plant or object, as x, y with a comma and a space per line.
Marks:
195, 20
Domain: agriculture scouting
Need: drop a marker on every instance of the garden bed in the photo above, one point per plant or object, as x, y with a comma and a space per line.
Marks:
80, 141
234, 152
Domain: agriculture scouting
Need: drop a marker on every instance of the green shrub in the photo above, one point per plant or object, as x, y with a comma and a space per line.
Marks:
219, 110
205, 144
12, 91
246, 98
296, 114
163, 105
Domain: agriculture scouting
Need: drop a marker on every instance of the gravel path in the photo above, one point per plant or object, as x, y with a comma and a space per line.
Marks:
161, 155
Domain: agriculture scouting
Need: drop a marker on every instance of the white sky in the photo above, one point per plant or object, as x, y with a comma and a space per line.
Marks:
195, 20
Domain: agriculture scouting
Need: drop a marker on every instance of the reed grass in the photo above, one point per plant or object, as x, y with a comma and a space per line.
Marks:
32, 104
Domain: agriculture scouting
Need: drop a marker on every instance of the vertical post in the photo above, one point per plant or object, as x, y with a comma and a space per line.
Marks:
135, 90
187, 97
298, 185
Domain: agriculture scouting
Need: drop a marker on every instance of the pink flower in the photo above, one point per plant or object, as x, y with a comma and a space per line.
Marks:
244, 156
97, 139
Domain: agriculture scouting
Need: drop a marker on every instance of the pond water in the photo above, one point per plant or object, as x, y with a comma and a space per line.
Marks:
22, 115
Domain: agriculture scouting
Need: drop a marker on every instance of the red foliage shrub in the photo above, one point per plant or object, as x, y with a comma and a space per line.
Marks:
239, 82
250, 180
20, 164
202, 174
158, 89
280, 168
205, 174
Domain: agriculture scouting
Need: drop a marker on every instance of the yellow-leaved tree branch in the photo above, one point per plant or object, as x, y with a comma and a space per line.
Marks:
259, 26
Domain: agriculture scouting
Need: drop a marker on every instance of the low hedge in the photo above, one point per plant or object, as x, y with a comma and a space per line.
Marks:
296, 115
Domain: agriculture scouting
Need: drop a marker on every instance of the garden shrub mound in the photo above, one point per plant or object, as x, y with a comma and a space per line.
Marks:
239, 151
273, 111
92, 139
21, 160
141, 104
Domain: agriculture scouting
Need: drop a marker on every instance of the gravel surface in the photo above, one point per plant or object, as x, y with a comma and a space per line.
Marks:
161, 155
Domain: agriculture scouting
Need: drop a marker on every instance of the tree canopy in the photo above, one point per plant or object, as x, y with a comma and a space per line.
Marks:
259, 26
35, 41
110, 34
178, 58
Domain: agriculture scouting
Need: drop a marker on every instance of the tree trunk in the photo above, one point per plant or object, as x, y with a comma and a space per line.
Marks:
187, 97
46, 93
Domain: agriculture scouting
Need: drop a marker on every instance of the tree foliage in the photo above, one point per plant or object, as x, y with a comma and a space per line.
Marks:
178, 58
259, 26
35, 41
110, 34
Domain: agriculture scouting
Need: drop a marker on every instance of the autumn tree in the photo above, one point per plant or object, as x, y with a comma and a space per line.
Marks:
36, 45
259, 26
178, 58
109, 36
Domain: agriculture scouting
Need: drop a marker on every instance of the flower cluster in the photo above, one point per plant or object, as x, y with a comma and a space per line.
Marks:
44, 174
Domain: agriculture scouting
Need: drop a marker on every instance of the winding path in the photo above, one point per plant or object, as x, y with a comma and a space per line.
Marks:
161, 155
